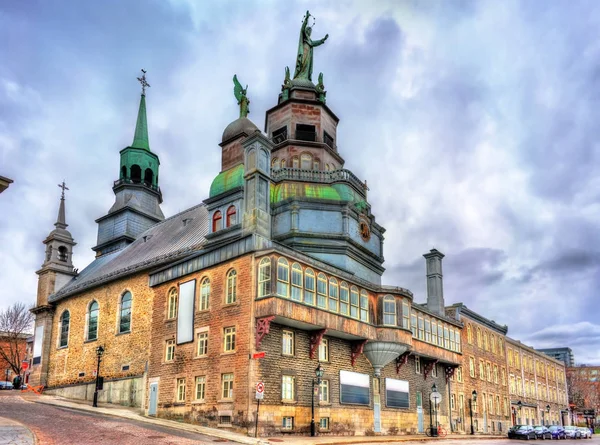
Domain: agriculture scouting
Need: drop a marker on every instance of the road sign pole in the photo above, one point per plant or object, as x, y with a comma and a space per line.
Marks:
256, 420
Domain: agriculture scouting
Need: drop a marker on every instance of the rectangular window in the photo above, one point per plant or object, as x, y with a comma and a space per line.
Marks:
200, 388
510, 357
498, 405
306, 132
227, 386
287, 387
287, 423
283, 278
328, 139
324, 391
488, 371
472, 366
446, 338
280, 135
459, 375
505, 407
418, 365
324, 423
413, 323
517, 363
427, 330
452, 402
170, 351
481, 370
396, 393
434, 332
389, 311
296, 282
440, 334
180, 390
496, 374
457, 339
321, 291
202, 348
229, 339
309, 287
287, 343
344, 299
421, 328
434, 370
405, 315
364, 306
324, 350
354, 302
503, 376
333, 295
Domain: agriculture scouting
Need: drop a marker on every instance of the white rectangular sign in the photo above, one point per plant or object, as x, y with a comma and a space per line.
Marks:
185, 313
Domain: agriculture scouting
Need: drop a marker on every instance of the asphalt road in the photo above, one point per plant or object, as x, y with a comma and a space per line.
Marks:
59, 426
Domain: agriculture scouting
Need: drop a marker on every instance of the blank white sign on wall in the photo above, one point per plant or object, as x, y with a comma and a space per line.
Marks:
185, 312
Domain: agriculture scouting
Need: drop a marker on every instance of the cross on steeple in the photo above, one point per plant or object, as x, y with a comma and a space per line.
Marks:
143, 81
64, 187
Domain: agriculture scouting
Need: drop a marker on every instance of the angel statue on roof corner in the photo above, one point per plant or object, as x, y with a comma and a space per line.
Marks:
240, 95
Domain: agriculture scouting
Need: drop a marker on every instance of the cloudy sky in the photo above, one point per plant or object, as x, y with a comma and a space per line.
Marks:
474, 123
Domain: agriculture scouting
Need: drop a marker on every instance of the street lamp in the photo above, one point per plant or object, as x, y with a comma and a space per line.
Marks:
520, 406
472, 400
548, 411
99, 353
432, 401
319, 373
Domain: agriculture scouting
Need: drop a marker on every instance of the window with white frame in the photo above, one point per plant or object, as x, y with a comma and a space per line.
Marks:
321, 290
324, 423
324, 350
324, 391
204, 295
287, 339
287, 423
389, 310
200, 392
287, 387
202, 344
170, 350
172, 304
427, 329
229, 339
405, 314
180, 390
309, 287
333, 295
283, 278
344, 298
227, 386
354, 306
264, 277
364, 306
418, 365
125, 313
231, 295
296, 282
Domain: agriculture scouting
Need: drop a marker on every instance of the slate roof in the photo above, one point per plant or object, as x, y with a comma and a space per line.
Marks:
168, 240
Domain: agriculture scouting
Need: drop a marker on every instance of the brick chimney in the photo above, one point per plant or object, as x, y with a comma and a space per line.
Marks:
435, 284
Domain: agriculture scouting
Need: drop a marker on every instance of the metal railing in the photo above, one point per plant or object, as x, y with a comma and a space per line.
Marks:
129, 181
325, 177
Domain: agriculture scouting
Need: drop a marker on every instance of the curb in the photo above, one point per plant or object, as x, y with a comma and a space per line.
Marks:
34, 439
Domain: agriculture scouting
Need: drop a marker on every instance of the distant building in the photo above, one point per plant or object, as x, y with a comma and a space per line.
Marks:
563, 354
4, 183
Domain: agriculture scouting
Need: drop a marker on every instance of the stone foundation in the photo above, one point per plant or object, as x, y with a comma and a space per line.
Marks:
126, 392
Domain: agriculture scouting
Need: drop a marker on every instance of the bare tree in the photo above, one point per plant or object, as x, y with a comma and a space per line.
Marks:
15, 325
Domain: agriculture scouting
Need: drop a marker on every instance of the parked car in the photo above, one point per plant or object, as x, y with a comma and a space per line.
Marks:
541, 432
558, 432
523, 432
585, 432
6, 385
572, 432
511, 431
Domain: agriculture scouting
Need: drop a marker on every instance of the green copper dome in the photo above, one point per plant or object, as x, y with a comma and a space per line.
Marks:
334, 192
227, 180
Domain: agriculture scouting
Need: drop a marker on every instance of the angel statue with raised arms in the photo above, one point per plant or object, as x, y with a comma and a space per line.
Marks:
240, 95
304, 62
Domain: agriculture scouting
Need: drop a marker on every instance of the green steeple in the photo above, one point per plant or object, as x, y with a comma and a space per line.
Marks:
140, 138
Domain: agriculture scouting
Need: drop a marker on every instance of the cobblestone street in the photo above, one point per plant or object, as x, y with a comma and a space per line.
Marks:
57, 426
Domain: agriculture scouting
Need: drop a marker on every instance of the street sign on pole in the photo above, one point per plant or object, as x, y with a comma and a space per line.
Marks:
24, 365
260, 391
435, 397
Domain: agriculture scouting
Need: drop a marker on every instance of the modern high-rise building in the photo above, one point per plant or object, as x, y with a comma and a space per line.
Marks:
563, 354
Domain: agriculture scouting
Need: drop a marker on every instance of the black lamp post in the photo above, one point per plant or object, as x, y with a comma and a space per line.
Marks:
548, 411
472, 400
432, 429
99, 353
319, 373
520, 406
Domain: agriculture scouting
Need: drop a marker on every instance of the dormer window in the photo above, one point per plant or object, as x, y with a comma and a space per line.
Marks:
306, 132
62, 253
231, 216
217, 221
280, 135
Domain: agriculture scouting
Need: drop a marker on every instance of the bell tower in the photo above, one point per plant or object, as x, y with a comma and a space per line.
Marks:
137, 194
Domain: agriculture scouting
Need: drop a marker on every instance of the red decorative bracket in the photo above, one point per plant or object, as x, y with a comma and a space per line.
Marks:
450, 372
315, 341
262, 329
356, 349
401, 360
428, 368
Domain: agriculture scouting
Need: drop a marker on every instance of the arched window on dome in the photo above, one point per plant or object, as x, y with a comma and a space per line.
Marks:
231, 216
217, 221
65, 319
389, 310
306, 162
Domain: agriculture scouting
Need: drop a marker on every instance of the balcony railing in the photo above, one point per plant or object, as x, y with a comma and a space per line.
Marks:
129, 181
324, 177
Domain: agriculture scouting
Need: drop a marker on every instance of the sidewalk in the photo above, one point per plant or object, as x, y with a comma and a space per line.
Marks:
133, 414
14, 433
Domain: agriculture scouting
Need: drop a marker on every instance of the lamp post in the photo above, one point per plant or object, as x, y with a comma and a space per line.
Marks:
472, 400
434, 398
520, 406
548, 411
319, 373
99, 353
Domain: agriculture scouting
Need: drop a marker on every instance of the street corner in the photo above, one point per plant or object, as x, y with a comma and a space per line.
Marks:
14, 433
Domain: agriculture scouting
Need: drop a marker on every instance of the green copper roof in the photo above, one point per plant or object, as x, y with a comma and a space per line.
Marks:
140, 139
334, 192
227, 180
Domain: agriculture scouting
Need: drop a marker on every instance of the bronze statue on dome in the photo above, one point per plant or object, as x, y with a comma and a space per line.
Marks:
304, 61
240, 95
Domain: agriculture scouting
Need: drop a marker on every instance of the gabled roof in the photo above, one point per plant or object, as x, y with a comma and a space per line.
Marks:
168, 240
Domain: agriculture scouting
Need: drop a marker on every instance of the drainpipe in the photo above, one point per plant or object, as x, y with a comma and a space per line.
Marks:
450, 407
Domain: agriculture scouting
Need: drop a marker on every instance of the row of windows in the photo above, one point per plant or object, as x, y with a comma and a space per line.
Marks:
487, 371
489, 402
530, 365
203, 300
304, 162
431, 330
304, 286
528, 389
200, 388
230, 219
92, 315
485, 341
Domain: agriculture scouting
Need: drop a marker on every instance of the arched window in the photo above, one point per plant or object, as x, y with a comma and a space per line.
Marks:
283, 278
264, 277
306, 161
275, 164
172, 304
327, 168
486, 345
493, 343
123, 172
389, 310
322, 290
263, 160
283, 163
296, 282
62, 253
354, 307
251, 160
333, 294
501, 347
295, 162
217, 221
469, 334
204, 294
92, 321
231, 287
364, 306
64, 329
478, 337
125, 313
316, 165
136, 173
309, 287
148, 175
231, 216
344, 298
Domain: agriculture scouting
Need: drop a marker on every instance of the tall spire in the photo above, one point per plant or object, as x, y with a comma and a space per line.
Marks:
140, 138
61, 221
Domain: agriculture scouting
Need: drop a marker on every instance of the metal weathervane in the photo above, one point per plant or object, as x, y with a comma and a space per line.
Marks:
143, 81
